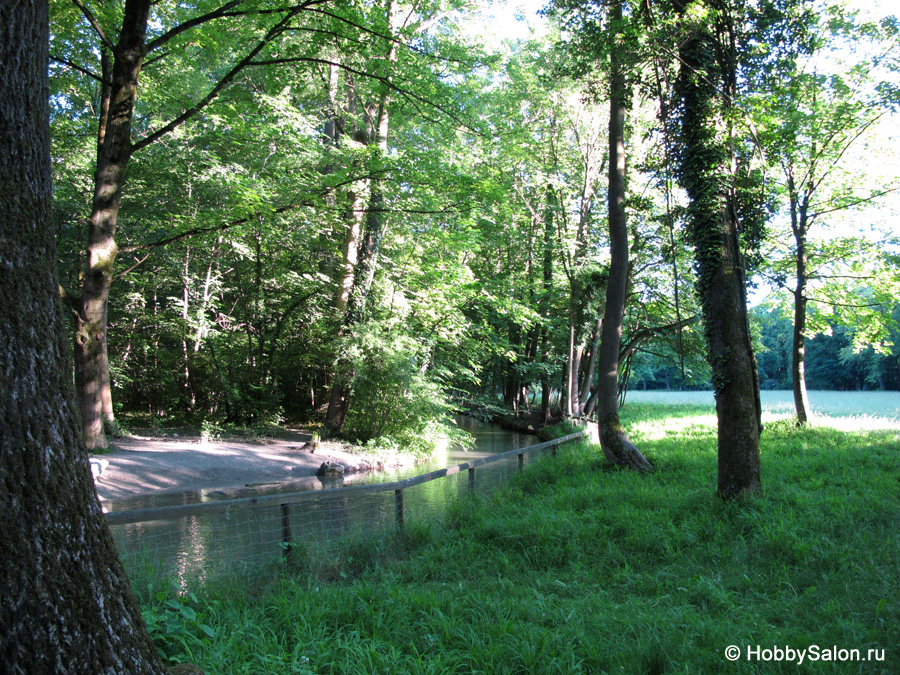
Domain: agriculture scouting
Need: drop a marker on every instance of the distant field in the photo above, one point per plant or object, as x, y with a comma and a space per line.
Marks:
850, 410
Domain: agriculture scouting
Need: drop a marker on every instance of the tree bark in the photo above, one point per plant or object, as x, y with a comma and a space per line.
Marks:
67, 605
570, 361
587, 376
616, 446
706, 84
545, 304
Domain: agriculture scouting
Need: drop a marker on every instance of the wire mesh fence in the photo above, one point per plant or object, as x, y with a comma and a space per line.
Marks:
213, 539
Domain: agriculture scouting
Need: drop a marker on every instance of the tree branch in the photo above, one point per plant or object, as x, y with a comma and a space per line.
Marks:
652, 331
388, 38
273, 32
200, 230
832, 303
94, 24
862, 200
75, 66
137, 264
386, 81
187, 25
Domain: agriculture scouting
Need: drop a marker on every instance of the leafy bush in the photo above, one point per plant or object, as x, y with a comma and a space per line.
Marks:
397, 403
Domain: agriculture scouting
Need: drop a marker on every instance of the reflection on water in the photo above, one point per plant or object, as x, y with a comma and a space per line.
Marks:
210, 544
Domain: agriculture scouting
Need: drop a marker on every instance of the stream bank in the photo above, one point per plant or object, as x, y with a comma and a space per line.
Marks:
151, 471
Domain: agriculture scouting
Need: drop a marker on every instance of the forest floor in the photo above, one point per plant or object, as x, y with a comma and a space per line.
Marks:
140, 465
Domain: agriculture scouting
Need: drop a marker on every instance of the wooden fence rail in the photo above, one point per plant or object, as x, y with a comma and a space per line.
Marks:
287, 499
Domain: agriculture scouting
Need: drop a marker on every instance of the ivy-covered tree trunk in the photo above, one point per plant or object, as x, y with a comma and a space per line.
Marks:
706, 86
67, 607
617, 447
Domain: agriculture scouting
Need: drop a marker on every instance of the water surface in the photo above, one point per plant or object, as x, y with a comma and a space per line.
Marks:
208, 545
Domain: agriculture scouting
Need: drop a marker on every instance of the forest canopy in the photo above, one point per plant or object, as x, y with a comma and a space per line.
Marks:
358, 214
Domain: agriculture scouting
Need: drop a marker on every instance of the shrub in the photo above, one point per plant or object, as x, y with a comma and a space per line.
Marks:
397, 403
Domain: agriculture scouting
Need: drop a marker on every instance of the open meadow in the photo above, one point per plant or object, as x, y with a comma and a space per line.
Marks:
574, 567
847, 410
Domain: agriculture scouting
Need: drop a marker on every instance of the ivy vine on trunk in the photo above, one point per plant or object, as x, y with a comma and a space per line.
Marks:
706, 86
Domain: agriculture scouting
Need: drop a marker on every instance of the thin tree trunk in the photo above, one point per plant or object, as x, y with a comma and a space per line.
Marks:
106, 400
545, 304
108, 414
185, 317
588, 375
799, 227
67, 605
350, 252
616, 446
207, 296
798, 356
570, 361
116, 148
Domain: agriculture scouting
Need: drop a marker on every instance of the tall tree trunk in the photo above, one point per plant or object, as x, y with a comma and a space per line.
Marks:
106, 399
67, 605
115, 152
587, 379
350, 251
375, 223
799, 227
617, 447
706, 84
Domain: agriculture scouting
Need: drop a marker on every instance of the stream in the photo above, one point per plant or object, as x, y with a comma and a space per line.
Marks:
206, 546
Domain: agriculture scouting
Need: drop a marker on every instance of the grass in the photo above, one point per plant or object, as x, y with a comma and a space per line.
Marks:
576, 568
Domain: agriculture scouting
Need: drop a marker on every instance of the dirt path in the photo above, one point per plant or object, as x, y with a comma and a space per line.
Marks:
145, 465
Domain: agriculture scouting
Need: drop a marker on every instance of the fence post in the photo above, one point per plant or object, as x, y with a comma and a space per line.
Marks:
521, 461
472, 479
398, 507
287, 537
553, 448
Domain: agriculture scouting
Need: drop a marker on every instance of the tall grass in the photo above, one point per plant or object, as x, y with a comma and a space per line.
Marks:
577, 568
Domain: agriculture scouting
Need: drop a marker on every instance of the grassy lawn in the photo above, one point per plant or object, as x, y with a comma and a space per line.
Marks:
576, 568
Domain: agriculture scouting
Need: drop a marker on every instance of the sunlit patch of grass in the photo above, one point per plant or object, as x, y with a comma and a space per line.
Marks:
857, 422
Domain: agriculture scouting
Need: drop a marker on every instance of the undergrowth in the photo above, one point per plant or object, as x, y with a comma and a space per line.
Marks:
574, 567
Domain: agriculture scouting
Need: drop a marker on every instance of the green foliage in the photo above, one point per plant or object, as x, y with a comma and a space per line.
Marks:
836, 356
180, 624
397, 403
233, 226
